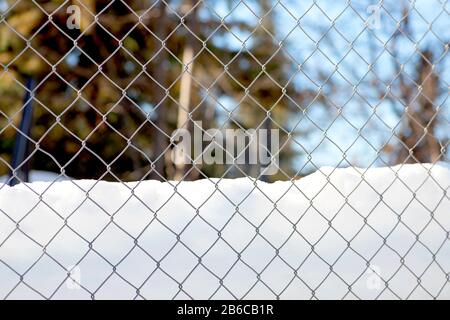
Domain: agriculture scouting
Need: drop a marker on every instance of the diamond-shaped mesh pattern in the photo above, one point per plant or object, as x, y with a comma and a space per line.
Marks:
346, 84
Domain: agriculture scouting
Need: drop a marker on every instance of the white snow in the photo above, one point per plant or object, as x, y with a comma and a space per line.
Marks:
341, 216
37, 175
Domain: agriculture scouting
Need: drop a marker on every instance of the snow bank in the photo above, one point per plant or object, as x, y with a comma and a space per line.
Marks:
321, 236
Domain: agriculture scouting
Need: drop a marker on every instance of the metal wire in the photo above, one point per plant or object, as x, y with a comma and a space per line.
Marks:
327, 12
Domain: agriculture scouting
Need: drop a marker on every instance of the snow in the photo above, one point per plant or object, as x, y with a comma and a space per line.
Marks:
37, 175
177, 240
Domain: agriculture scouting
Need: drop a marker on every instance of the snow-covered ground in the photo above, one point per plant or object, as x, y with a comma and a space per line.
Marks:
320, 236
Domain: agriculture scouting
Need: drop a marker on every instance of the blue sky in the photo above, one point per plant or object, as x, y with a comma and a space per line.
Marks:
353, 65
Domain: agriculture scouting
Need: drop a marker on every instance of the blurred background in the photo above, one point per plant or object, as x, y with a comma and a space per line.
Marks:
347, 83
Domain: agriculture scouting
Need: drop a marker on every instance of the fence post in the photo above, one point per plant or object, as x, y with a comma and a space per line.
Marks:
20, 172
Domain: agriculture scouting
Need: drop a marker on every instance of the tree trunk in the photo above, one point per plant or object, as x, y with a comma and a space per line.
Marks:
161, 140
184, 107
186, 83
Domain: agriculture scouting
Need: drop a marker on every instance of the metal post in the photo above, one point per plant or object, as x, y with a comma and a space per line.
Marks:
20, 171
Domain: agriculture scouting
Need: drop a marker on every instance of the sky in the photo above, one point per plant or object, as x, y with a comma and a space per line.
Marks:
350, 35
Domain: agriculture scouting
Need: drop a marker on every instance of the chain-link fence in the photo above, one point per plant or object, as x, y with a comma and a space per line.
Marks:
183, 113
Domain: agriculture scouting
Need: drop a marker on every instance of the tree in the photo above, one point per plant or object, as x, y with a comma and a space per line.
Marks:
109, 94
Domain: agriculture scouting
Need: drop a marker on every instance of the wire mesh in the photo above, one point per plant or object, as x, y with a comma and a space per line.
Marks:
349, 84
